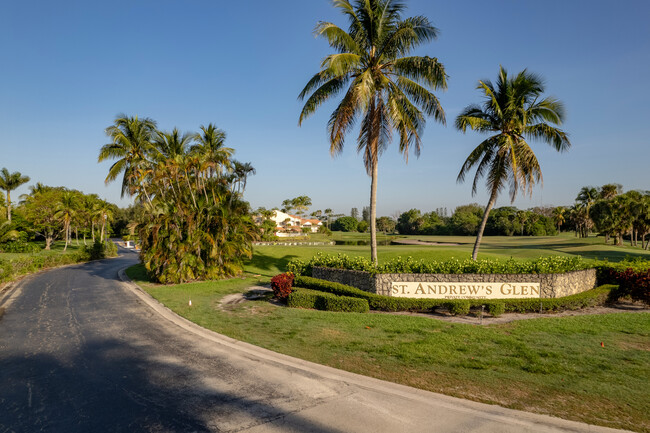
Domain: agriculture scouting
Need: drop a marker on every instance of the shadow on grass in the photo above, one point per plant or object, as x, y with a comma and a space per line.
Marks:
267, 264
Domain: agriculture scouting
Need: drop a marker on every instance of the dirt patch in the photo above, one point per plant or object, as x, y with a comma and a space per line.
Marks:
254, 293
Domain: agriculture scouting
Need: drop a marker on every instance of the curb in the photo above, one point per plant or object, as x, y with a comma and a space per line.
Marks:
527, 420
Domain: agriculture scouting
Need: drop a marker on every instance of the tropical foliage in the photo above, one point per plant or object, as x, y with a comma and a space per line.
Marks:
383, 85
194, 224
8, 183
512, 113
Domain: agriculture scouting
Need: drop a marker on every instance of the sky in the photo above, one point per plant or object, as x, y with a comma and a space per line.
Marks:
70, 67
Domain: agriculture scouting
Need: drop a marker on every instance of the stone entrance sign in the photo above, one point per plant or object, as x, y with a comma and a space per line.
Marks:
464, 290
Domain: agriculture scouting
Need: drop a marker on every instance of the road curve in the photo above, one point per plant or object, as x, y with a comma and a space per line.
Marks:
82, 351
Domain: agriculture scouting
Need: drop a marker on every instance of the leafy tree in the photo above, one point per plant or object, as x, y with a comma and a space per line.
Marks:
8, 183
40, 210
383, 85
345, 224
386, 224
362, 227
512, 113
466, 219
354, 213
409, 222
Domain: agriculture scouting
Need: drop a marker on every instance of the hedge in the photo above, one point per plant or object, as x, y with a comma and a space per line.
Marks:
589, 298
305, 298
408, 265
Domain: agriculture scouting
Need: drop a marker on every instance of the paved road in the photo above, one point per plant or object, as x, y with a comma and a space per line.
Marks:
81, 351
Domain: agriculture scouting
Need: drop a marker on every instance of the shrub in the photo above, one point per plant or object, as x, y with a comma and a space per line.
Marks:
458, 307
20, 246
543, 265
631, 283
305, 298
99, 250
345, 224
496, 309
589, 298
282, 284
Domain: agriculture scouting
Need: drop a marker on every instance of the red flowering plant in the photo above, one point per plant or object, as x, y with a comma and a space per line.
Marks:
282, 285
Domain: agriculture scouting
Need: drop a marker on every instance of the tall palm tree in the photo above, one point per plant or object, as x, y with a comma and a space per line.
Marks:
512, 113
383, 85
66, 211
8, 183
131, 144
211, 149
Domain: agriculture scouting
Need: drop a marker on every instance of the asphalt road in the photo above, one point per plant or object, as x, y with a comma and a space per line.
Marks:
81, 351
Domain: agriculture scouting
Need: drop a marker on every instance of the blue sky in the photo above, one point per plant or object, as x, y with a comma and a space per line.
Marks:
69, 67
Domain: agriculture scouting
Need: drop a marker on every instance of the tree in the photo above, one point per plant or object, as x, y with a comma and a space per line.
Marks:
66, 210
8, 183
131, 144
466, 219
383, 84
409, 222
513, 113
365, 214
345, 224
354, 213
385, 224
40, 210
559, 216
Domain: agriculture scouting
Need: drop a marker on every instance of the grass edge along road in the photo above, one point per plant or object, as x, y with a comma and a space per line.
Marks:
554, 366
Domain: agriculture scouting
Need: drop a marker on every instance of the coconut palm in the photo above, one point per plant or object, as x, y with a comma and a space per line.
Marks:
66, 211
512, 113
8, 183
559, 216
131, 144
210, 148
384, 87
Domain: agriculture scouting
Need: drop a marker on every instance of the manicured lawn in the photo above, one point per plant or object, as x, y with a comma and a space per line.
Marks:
271, 260
552, 365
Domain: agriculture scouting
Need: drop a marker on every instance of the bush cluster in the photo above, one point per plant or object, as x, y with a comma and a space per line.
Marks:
305, 298
543, 265
282, 284
10, 269
597, 296
20, 246
635, 284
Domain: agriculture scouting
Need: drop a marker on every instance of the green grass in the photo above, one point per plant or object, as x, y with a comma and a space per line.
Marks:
552, 365
56, 248
271, 260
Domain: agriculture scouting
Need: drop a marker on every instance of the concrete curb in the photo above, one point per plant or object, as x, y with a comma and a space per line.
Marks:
527, 420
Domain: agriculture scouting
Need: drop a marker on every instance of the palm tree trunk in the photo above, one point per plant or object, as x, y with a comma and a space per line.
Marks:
373, 211
9, 206
479, 235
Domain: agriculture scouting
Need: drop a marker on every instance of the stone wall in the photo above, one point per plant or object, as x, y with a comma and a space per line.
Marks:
551, 285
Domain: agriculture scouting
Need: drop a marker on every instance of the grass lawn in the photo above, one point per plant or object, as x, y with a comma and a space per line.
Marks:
271, 260
56, 248
553, 365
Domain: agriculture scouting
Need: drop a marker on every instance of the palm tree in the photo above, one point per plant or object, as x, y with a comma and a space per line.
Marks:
559, 216
384, 86
210, 147
512, 113
9, 182
66, 210
131, 144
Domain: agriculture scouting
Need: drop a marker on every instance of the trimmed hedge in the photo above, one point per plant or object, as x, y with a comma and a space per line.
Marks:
408, 265
589, 298
305, 298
